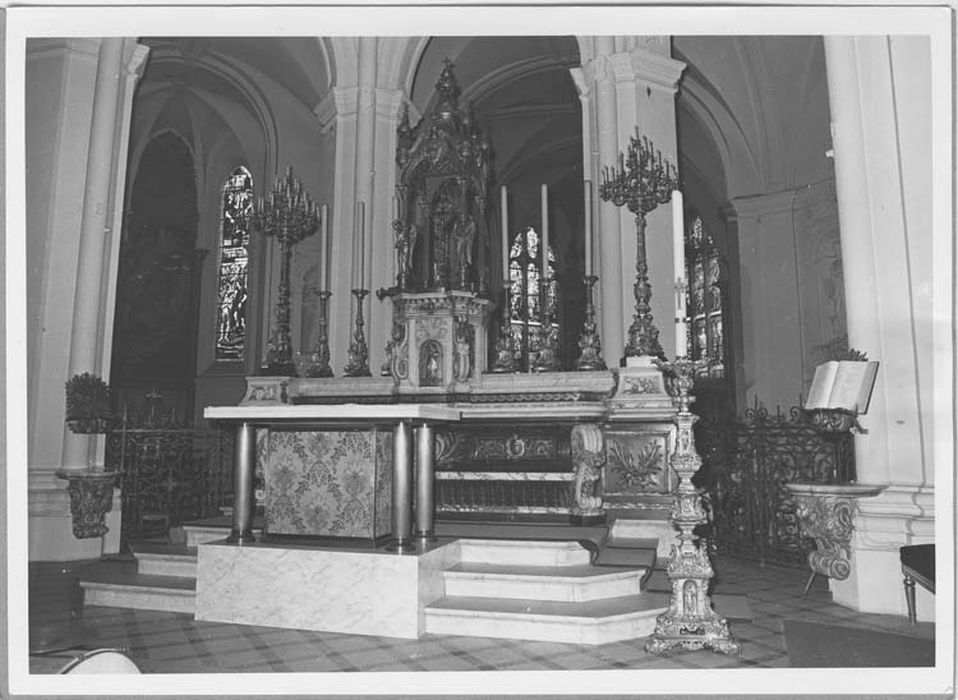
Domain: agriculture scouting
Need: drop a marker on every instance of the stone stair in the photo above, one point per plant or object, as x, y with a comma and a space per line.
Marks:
544, 591
162, 577
548, 590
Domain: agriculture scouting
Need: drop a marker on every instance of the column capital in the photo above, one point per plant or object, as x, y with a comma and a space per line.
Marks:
338, 102
389, 101
136, 59
640, 64
756, 206
88, 47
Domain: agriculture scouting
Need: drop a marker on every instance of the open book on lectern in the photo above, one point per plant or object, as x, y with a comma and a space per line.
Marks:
843, 384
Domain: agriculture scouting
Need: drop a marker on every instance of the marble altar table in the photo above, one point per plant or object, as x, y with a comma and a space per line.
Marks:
401, 419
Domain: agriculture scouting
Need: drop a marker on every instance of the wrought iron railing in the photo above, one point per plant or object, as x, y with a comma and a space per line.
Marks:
169, 474
747, 461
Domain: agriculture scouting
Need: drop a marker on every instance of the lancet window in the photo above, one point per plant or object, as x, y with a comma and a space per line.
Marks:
525, 273
705, 299
237, 204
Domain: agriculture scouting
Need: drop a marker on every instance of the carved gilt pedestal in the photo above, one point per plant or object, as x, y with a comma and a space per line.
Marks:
826, 513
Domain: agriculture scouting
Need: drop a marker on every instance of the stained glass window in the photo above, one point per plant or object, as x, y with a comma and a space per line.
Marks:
704, 272
234, 262
525, 270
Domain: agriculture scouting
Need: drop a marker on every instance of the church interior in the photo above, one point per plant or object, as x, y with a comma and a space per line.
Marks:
354, 352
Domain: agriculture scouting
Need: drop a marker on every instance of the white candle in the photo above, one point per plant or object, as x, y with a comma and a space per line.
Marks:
588, 227
678, 262
323, 284
359, 247
545, 232
504, 207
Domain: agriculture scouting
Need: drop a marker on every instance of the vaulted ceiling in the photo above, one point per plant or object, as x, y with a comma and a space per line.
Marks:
752, 112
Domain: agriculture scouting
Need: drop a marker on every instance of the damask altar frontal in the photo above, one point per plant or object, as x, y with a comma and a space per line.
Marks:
334, 483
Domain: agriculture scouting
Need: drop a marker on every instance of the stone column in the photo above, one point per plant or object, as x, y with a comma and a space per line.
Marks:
364, 116
337, 112
624, 83
79, 95
87, 298
880, 95
770, 323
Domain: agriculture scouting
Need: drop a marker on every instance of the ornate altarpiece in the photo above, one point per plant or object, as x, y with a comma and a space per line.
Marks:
442, 241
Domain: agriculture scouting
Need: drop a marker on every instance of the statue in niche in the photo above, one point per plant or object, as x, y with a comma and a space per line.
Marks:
689, 598
406, 236
464, 233
430, 364
462, 361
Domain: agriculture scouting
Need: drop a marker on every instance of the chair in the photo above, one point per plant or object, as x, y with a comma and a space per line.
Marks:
101, 661
917, 566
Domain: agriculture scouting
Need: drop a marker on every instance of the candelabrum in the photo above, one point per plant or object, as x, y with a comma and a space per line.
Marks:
547, 359
358, 365
590, 355
641, 181
319, 363
505, 348
289, 216
690, 621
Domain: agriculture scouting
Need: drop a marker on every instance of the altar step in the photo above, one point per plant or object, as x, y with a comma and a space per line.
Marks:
158, 577
543, 591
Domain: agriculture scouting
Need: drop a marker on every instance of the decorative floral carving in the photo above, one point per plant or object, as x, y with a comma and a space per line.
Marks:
828, 520
637, 469
91, 498
640, 385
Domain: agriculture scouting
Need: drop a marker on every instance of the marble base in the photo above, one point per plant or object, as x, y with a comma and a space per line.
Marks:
592, 623
326, 590
662, 530
138, 597
521, 552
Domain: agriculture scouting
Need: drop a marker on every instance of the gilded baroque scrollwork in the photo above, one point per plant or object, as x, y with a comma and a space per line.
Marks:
588, 456
91, 498
828, 520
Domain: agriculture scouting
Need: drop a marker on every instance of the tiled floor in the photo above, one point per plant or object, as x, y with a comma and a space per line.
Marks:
174, 643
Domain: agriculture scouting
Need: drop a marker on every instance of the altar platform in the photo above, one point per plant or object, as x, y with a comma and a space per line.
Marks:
329, 589
519, 589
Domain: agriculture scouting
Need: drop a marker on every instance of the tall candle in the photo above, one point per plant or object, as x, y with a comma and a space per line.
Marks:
678, 261
588, 227
504, 212
324, 249
359, 247
545, 232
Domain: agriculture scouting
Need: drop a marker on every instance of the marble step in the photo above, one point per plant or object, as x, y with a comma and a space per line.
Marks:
197, 534
588, 622
556, 583
140, 592
523, 552
165, 560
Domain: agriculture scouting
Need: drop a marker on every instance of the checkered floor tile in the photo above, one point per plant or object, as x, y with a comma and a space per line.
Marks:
175, 643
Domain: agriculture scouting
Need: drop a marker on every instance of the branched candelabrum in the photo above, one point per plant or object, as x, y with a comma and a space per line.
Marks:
641, 181
547, 359
358, 364
289, 215
590, 346
320, 366
690, 622
505, 350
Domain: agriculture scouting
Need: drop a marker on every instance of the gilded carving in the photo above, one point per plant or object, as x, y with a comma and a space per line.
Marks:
91, 497
588, 456
638, 468
828, 520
